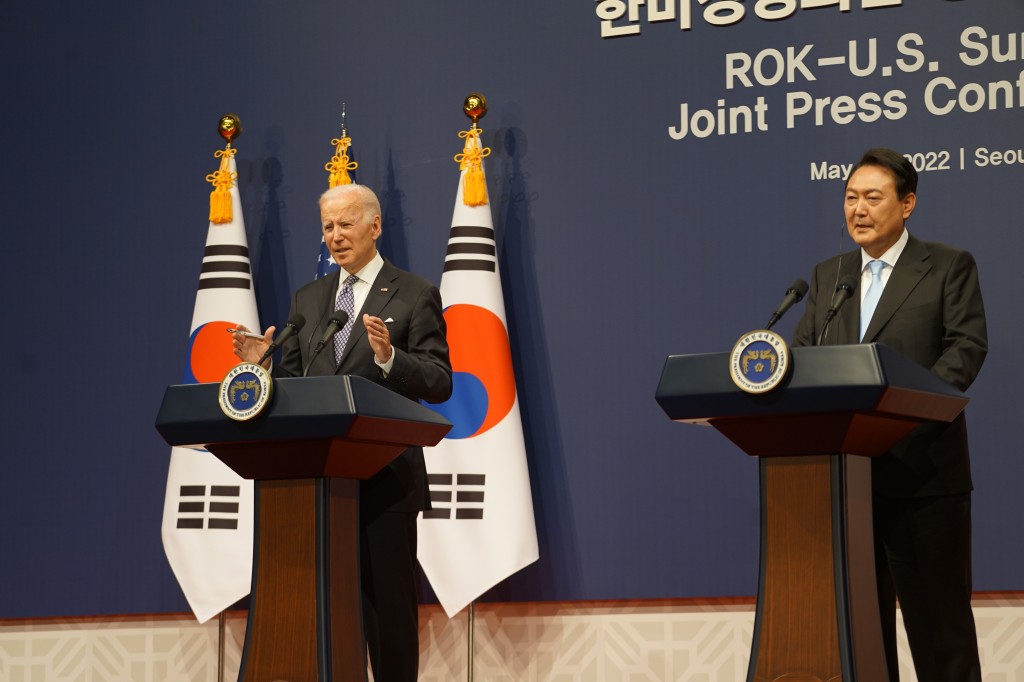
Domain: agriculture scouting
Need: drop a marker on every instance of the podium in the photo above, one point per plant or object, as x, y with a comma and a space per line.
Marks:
307, 453
817, 608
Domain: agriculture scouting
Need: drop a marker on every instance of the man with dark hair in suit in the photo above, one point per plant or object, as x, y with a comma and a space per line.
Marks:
927, 305
395, 336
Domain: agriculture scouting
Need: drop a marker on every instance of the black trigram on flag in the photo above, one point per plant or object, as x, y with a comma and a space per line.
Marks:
465, 497
470, 248
225, 266
218, 510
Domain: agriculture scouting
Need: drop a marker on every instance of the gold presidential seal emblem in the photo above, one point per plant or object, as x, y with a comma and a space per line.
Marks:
759, 361
245, 391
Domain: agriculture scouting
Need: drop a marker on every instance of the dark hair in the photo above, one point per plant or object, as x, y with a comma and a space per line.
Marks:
902, 170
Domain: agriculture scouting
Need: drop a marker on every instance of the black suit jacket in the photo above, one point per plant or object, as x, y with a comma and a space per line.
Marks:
931, 311
411, 308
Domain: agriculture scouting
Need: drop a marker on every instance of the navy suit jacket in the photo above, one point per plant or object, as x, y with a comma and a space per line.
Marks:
411, 308
931, 311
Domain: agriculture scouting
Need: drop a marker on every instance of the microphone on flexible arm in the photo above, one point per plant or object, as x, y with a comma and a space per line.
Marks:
844, 290
335, 323
291, 327
794, 294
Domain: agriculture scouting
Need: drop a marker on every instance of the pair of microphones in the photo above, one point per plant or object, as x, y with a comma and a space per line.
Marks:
796, 291
335, 323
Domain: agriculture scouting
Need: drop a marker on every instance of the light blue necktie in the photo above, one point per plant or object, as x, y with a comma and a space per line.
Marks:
347, 302
874, 292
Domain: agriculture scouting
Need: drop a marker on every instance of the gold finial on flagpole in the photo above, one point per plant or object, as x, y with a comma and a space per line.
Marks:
474, 186
475, 107
229, 127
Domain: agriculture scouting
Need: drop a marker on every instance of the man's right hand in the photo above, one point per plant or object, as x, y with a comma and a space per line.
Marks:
249, 349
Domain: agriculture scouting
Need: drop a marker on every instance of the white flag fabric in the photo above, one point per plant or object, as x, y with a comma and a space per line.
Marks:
481, 529
207, 525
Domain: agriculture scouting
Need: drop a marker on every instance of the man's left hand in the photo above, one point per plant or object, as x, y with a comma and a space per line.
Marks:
379, 337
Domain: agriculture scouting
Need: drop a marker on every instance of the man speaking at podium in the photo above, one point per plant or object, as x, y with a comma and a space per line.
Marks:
397, 340
923, 300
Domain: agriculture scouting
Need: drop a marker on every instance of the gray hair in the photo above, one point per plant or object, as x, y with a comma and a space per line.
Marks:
365, 195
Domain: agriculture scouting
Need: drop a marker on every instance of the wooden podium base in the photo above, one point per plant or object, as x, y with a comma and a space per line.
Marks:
305, 614
817, 609
817, 603
307, 454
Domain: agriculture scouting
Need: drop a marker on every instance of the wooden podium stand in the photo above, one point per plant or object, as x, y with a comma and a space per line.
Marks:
817, 610
307, 453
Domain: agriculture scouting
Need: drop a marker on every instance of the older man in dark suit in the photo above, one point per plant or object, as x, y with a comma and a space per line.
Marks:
395, 336
927, 305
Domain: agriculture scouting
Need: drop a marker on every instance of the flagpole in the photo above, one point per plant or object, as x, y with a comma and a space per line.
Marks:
469, 640
463, 549
220, 647
214, 569
229, 127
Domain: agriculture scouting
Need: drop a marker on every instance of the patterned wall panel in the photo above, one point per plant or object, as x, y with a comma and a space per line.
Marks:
117, 650
616, 642
1000, 624
629, 642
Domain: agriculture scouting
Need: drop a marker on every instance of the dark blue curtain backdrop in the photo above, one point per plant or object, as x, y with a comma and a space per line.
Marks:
625, 235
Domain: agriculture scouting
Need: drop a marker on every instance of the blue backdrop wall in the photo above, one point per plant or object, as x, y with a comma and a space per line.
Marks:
661, 171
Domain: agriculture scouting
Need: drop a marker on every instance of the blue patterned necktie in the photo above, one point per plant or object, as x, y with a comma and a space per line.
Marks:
874, 292
346, 301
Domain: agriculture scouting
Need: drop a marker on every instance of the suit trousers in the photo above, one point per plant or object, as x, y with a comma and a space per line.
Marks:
923, 558
390, 613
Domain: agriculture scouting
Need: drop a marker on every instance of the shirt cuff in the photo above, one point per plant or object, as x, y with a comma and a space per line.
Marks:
385, 367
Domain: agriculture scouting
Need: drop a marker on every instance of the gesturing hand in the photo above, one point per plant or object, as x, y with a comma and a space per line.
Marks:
379, 337
249, 349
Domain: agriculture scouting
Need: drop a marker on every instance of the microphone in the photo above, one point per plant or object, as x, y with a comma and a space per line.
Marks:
337, 320
291, 327
794, 294
844, 290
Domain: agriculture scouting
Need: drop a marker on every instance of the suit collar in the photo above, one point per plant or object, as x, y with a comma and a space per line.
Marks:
890, 255
910, 269
383, 288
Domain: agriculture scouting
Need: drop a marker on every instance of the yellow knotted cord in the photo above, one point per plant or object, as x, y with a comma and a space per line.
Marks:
340, 164
474, 185
222, 180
